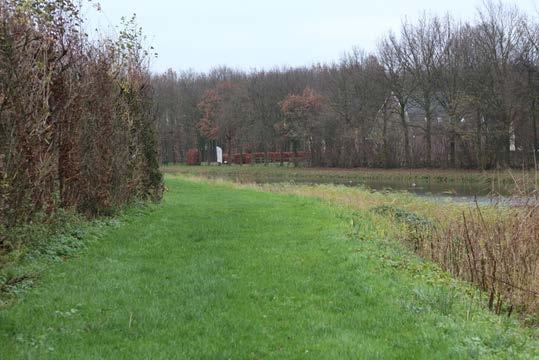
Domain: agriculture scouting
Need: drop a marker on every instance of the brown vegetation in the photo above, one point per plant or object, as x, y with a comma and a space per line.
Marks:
76, 117
500, 255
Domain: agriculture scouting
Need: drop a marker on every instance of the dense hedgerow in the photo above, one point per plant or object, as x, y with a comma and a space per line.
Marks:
76, 116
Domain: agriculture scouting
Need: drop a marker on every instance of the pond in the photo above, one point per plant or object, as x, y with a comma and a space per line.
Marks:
435, 191
435, 186
440, 192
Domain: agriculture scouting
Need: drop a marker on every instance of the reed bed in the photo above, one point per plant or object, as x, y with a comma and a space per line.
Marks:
497, 249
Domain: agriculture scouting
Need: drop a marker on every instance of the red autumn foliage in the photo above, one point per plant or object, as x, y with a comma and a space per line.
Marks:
299, 112
207, 106
193, 157
210, 107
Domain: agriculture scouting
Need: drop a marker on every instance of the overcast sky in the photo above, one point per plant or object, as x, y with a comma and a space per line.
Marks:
248, 34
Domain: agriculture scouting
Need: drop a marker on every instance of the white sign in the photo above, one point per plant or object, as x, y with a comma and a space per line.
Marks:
219, 152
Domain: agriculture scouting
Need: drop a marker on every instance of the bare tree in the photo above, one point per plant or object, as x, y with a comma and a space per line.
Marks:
421, 52
401, 82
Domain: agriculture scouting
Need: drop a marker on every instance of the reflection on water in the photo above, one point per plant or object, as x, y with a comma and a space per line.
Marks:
479, 191
428, 189
439, 192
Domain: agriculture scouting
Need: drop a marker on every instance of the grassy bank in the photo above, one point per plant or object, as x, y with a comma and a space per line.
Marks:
29, 250
220, 272
494, 247
480, 182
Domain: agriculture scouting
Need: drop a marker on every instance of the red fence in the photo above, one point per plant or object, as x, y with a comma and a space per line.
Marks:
193, 157
260, 157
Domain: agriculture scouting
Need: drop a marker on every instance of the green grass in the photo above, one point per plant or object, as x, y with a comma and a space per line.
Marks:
218, 272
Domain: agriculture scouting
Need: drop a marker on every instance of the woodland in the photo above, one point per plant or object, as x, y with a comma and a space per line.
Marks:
441, 92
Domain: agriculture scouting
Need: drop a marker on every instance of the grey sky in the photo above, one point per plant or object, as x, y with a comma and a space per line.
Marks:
201, 34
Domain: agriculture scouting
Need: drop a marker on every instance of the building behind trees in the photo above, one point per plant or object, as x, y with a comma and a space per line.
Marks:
440, 93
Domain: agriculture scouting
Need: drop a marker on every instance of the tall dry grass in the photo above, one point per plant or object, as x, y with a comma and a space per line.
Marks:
497, 250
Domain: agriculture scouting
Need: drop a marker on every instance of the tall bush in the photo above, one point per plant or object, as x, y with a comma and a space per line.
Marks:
76, 116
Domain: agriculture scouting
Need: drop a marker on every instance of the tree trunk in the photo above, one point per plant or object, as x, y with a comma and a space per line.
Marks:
174, 160
295, 152
508, 134
385, 140
452, 143
229, 148
534, 124
503, 144
241, 154
479, 142
406, 131
428, 136
281, 155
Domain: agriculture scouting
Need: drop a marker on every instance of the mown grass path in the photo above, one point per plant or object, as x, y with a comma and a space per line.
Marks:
221, 273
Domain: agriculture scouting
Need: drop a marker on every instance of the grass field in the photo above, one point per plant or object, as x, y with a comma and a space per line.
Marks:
480, 244
218, 272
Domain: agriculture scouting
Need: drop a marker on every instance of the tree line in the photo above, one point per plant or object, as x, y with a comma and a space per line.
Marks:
439, 93
77, 120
